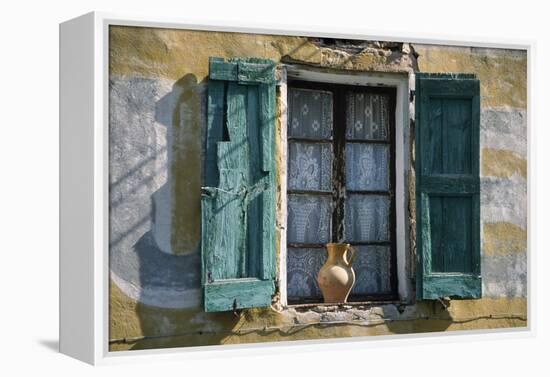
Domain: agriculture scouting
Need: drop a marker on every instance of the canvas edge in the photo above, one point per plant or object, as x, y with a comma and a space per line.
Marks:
77, 287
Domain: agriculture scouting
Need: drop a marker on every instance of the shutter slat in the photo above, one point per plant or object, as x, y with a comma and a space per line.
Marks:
256, 73
254, 200
267, 129
214, 130
219, 70
447, 184
242, 293
243, 71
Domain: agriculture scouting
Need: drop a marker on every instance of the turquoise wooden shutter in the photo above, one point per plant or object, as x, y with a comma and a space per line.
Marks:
238, 200
447, 186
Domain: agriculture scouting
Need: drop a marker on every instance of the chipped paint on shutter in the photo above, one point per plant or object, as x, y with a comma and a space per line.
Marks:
447, 166
238, 201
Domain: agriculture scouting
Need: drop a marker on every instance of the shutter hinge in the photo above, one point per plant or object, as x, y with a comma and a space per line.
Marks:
411, 95
235, 308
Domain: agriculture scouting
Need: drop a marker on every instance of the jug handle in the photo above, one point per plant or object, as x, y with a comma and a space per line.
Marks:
352, 258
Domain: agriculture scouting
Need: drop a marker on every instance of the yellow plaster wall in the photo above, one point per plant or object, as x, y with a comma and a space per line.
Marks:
171, 53
502, 73
503, 237
185, 168
182, 56
137, 326
502, 163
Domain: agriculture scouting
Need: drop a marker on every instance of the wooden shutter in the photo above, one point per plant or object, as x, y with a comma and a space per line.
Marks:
447, 186
238, 200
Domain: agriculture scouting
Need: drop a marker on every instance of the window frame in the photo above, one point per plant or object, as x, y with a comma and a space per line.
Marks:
403, 84
340, 192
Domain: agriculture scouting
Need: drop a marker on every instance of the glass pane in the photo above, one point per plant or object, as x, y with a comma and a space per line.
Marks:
367, 116
367, 218
308, 219
303, 265
367, 166
310, 114
309, 166
372, 266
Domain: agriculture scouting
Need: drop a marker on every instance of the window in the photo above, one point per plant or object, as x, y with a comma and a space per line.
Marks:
341, 184
346, 182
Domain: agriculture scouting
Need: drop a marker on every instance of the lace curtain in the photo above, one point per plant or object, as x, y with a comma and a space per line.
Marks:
310, 165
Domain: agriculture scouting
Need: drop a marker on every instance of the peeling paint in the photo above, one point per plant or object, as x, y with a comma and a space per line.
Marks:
504, 128
504, 199
502, 237
505, 274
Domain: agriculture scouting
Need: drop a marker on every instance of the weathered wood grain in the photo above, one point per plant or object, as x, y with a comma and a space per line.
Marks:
244, 71
238, 294
447, 183
238, 223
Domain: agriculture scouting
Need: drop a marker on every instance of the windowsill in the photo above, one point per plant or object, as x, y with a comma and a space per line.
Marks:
346, 305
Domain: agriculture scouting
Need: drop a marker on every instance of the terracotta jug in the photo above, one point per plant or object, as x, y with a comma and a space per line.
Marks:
336, 277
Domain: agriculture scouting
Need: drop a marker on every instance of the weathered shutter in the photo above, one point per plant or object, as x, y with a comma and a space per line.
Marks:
238, 200
447, 186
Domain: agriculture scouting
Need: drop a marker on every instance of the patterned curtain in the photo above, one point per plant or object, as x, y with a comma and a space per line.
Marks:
310, 206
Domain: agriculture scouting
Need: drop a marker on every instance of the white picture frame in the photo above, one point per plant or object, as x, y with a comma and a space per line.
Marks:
84, 262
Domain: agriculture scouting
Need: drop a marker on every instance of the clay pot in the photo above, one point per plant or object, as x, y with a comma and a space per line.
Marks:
336, 277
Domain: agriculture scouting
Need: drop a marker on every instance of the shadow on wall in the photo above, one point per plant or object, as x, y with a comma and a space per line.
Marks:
175, 278
429, 316
162, 262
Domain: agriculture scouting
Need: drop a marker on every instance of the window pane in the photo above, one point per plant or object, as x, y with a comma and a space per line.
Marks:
367, 116
303, 265
367, 218
367, 166
372, 266
308, 219
310, 114
309, 166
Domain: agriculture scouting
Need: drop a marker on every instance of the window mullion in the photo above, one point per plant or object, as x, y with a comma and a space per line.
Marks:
339, 163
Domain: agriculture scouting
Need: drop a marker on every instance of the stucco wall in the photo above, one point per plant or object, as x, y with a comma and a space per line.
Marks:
158, 81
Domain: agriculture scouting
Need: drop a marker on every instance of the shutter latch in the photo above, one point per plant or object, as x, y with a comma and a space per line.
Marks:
210, 192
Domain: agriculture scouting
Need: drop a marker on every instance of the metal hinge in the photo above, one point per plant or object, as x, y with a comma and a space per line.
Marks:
235, 308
